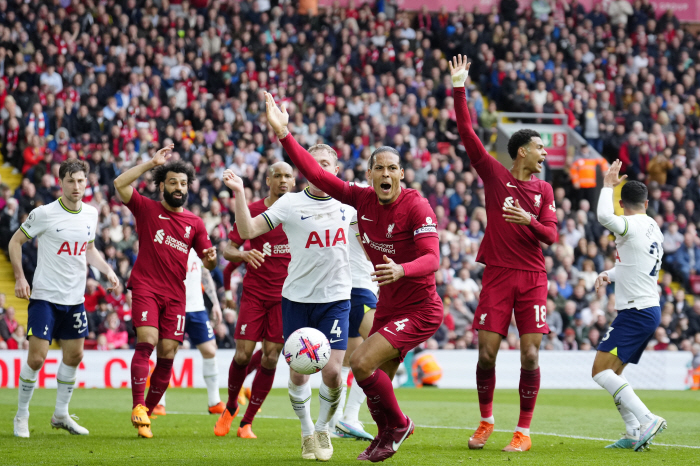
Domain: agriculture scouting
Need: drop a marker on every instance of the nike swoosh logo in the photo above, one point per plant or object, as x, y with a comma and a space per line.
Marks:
528, 396
139, 383
304, 218
178, 333
336, 341
368, 219
164, 218
510, 185
395, 445
389, 331
540, 325
60, 229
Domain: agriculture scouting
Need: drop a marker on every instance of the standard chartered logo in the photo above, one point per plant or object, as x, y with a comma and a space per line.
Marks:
267, 249
159, 236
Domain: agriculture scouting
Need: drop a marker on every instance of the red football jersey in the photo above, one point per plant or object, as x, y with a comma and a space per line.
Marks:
266, 281
165, 239
390, 230
506, 244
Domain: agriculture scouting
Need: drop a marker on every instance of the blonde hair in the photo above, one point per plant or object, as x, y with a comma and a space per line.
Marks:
326, 147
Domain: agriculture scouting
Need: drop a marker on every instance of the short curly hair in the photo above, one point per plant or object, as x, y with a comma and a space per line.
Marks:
177, 166
519, 139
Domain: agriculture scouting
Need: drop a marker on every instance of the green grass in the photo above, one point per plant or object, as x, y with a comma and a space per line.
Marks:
444, 418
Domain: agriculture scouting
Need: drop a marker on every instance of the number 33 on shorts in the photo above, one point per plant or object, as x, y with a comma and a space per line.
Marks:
540, 315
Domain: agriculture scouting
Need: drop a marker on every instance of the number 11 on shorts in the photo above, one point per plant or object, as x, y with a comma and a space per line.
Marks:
540, 315
180, 327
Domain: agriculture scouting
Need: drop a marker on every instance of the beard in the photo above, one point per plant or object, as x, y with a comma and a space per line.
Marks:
172, 201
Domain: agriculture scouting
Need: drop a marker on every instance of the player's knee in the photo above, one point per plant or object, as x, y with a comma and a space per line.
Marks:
269, 361
35, 361
360, 365
242, 357
487, 358
529, 357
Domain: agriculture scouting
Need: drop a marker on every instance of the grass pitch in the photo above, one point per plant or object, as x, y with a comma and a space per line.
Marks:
570, 427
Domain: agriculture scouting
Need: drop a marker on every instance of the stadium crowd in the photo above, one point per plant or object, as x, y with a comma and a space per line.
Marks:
111, 82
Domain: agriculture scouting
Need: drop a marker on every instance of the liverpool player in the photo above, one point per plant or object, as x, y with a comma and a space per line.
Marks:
167, 233
316, 292
398, 229
260, 312
521, 213
66, 230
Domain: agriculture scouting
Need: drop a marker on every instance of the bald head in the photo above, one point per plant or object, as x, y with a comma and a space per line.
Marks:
280, 179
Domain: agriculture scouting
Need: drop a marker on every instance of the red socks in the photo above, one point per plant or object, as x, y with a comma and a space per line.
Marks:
529, 386
485, 385
254, 363
139, 372
262, 383
381, 401
160, 379
236, 376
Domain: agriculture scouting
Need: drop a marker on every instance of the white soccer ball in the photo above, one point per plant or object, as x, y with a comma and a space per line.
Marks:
307, 351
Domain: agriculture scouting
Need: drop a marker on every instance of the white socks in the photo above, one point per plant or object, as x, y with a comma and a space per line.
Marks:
329, 398
489, 419
65, 381
300, 396
622, 393
210, 371
344, 372
355, 401
631, 422
27, 382
162, 400
522, 430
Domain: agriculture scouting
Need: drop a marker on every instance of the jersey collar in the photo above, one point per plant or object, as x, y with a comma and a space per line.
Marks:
60, 201
316, 198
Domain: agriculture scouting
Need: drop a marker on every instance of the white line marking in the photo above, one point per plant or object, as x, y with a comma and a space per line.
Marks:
577, 437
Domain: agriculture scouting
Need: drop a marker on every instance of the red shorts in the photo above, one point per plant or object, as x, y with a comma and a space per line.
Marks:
508, 291
411, 327
259, 319
166, 313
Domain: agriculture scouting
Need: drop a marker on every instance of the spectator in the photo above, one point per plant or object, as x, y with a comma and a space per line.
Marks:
115, 335
687, 258
8, 324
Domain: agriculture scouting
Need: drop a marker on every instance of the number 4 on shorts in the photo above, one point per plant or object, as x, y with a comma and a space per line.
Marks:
336, 330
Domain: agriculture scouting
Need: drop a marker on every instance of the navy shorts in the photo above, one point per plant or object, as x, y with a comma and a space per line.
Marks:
198, 328
630, 332
56, 321
329, 318
362, 301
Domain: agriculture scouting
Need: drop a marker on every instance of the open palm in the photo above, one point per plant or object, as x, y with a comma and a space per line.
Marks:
163, 155
278, 118
459, 69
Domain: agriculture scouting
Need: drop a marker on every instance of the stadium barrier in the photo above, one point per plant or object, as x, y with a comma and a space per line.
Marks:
663, 370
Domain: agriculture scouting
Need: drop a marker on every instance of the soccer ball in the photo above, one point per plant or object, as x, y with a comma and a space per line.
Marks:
307, 351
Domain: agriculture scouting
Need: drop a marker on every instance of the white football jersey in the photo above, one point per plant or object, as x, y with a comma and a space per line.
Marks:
360, 267
194, 299
63, 237
637, 263
318, 230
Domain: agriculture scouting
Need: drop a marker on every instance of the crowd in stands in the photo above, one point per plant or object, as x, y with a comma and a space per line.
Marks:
111, 82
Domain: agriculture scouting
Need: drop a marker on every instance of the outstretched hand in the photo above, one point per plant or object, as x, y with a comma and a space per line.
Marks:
163, 155
612, 177
278, 118
459, 69
233, 182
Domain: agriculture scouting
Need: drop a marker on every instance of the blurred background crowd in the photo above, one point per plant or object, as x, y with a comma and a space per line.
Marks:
110, 82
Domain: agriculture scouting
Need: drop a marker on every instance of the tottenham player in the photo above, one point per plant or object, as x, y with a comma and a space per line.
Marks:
316, 292
398, 230
363, 303
66, 231
260, 312
637, 261
521, 213
157, 282
199, 329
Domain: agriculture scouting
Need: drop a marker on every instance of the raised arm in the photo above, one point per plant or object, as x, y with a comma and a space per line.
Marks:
606, 210
248, 227
459, 68
307, 165
122, 183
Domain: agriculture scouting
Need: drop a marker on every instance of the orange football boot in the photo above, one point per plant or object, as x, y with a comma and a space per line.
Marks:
520, 442
218, 408
482, 434
223, 424
243, 396
246, 432
139, 418
159, 410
